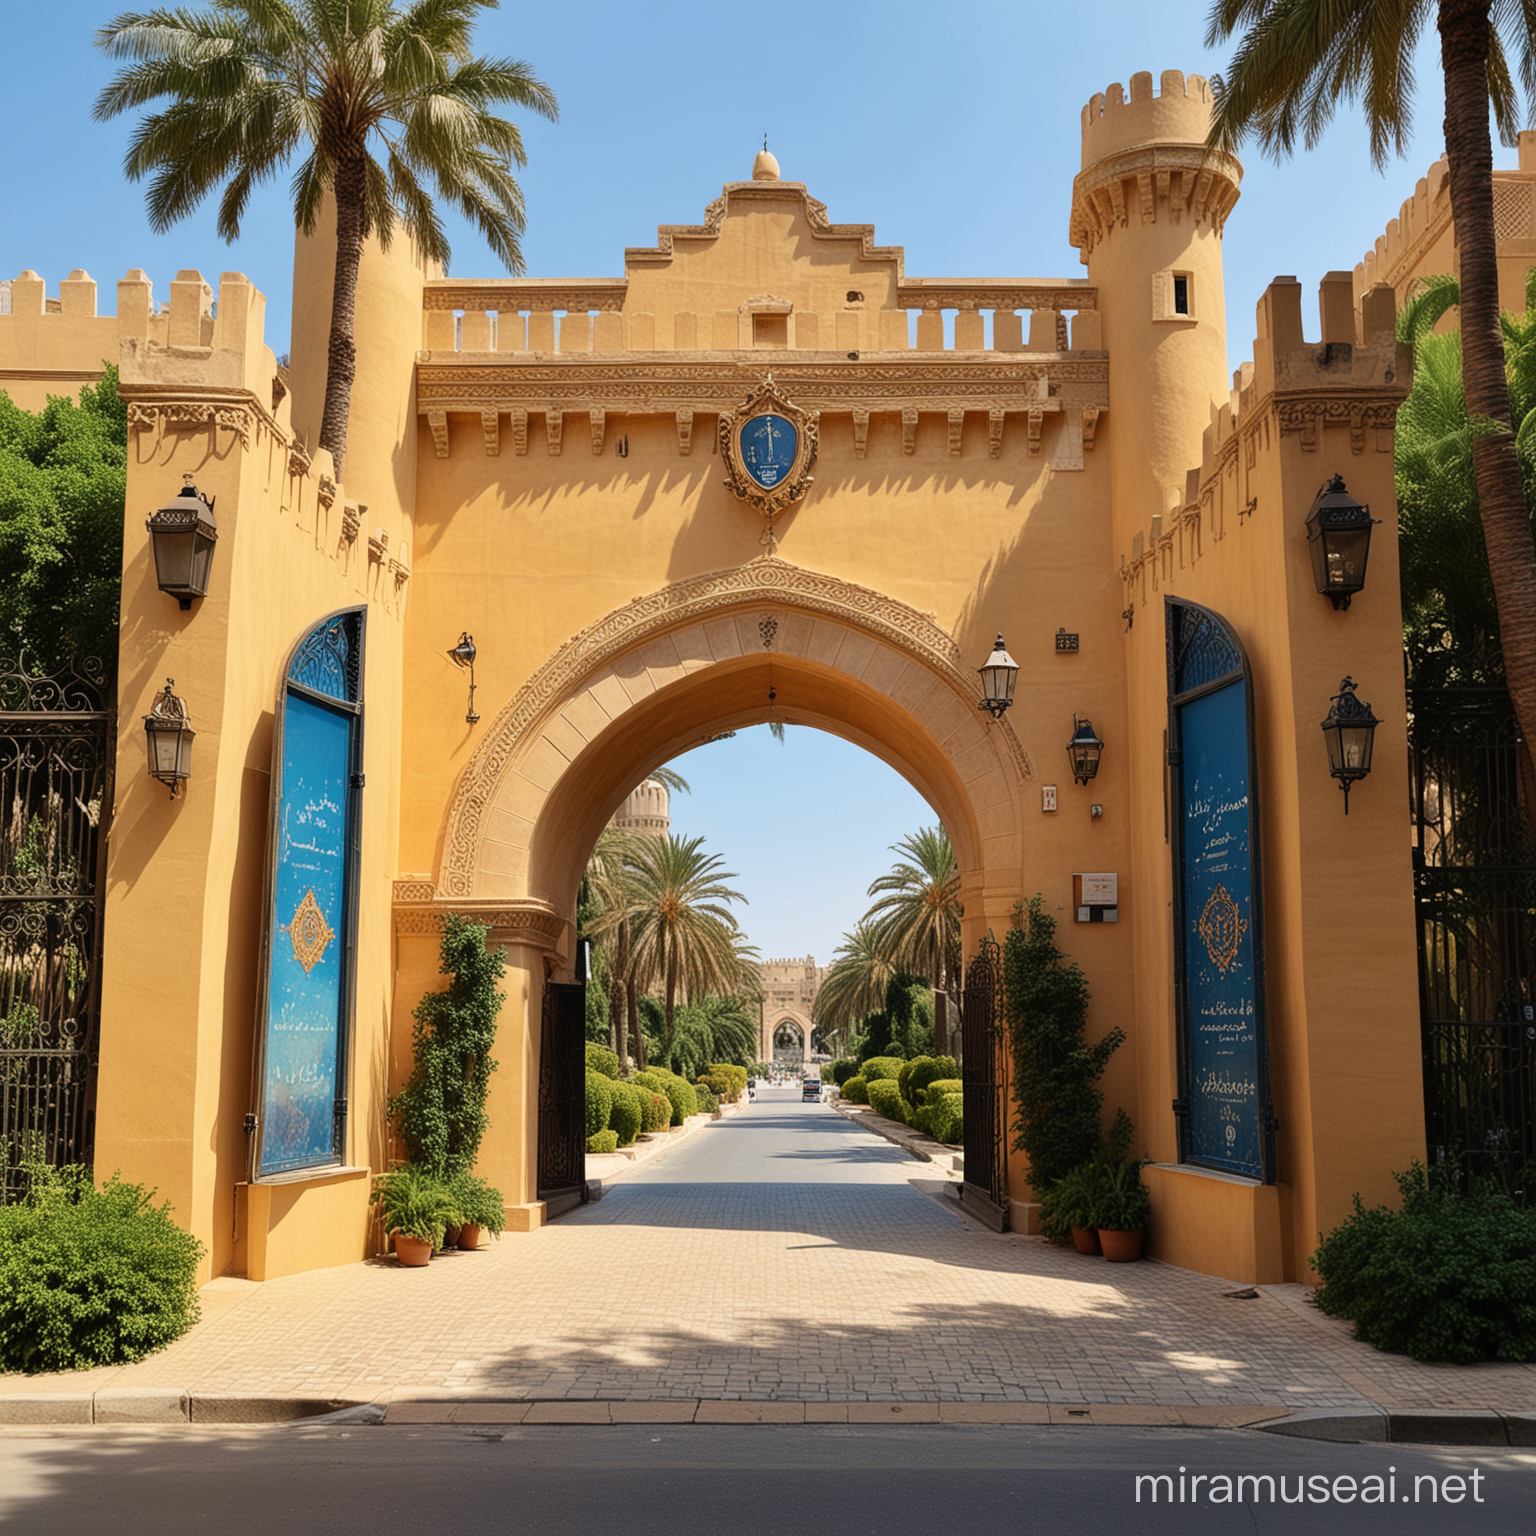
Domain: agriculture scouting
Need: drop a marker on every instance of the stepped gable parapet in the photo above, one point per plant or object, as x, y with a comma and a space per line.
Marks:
1421, 220
1144, 157
1354, 378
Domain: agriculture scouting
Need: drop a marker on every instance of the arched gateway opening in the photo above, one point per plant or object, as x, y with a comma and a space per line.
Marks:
766, 641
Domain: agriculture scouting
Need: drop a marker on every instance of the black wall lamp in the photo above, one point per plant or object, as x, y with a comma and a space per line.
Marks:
463, 655
183, 533
1350, 732
1084, 750
168, 735
1339, 537
998, 679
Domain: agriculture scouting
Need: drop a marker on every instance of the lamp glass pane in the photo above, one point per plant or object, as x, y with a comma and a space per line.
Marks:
173, 559
202, 561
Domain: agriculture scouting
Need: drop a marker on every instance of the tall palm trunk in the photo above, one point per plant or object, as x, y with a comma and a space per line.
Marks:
341, 369
1464, 38
632, 1009
618, 969
671, 996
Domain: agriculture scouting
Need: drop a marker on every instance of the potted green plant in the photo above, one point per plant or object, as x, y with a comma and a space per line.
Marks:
481, 1208
416, 1210
1067, 1206
1121, 1209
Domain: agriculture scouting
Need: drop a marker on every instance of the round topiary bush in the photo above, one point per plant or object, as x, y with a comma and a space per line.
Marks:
679, 1094
655, 1106
881, 1069
856, 1091
916, 1076
601, 1059
627, 1116
603, 1141
599, 1102
946, 1118
843, 1069
937, 1089
885, 1099
708, 1103
91, 1276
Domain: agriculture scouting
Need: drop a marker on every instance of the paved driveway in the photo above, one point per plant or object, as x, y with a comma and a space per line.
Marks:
786, 1253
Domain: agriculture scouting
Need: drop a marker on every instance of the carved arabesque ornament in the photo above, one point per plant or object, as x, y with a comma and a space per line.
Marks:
765, 582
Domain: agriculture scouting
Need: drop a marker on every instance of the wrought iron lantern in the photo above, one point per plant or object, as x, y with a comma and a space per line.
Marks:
463, 655
1349, 731
1084, 750
183, 532
998, 678
1339, 536
168, 734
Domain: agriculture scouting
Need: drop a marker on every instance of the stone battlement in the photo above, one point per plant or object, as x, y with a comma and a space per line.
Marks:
1179, 113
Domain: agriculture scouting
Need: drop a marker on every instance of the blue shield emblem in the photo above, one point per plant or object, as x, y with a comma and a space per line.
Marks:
768, 446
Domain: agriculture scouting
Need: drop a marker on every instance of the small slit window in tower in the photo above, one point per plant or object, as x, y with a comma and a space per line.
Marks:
770, 330
1181, 293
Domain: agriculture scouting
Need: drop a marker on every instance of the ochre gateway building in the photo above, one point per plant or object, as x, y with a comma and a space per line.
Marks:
764, 474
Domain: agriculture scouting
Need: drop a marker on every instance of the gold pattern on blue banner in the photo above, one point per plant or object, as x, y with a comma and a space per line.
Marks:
1221, 927
309, 932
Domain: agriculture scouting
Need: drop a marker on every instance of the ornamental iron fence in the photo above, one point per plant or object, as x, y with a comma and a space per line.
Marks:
984, 1076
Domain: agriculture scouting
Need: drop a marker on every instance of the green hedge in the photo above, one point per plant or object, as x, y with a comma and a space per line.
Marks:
732, 1078
885, 1099
856, 1091
881, 1068
599, 1102
946, 1119
941, 1086
628, 1115
1447, 1277
922, 1119
678, 1092
844, 1068
708, 1103
91, 1276
915, 1076
603, 1141
601, 1059
655, 1106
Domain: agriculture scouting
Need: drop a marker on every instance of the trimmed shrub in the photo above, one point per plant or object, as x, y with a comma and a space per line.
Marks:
678, 1093
628, 1115
881, 1069
599, 1102
922, 1119
843, 1069
856, 1091
91, 1276
939, 1087
655, 1106
885, 1099
916, 1077
1448, 1277
601, 1059
826, 1071
734, 1078
603, 1141
946, 1119
708, 1103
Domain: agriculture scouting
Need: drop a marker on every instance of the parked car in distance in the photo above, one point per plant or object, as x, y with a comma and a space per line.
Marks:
810, 1090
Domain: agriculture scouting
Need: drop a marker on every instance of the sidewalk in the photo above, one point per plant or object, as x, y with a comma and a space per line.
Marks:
817, 1275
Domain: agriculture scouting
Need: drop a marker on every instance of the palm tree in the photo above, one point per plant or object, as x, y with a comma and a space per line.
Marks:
381, 95
607, 895
855, 984
1297, 60
685, 939
917, 919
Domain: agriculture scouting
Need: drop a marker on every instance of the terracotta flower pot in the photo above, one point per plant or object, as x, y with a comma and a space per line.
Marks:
412, 1252
450, 1238
469, 1236
1085, 1239
1120, 1247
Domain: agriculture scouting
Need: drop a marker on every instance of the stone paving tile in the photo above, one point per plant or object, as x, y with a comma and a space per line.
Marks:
828, 1280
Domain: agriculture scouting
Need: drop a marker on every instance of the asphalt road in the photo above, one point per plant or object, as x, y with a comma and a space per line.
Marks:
755, 1480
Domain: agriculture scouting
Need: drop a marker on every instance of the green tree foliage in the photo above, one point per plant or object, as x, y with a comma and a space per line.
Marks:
1055, 1069
1296, 62
855, 983
63, 479
441, 1110
382, 100
1446, 1277
91, 1276
917, 918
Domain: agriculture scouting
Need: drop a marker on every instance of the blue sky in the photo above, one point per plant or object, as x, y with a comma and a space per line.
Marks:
953, 129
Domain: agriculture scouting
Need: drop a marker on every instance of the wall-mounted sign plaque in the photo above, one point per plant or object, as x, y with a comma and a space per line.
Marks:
769, 446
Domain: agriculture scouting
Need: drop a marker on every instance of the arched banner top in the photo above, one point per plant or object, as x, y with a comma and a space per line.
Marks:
1203, 649
328, 660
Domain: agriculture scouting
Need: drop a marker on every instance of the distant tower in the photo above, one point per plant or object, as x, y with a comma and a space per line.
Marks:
1147, 214
648, 809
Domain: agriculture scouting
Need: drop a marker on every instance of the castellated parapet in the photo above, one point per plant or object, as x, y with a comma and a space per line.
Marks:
1146, 151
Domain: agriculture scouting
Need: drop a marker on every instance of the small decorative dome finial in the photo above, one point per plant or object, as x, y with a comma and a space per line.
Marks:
765, 167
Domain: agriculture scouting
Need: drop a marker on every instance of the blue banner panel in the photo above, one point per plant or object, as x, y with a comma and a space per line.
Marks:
1220, 979
304, 979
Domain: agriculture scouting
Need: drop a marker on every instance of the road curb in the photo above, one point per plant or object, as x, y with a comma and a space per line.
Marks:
1410, 1426
126, 1406
924, 1148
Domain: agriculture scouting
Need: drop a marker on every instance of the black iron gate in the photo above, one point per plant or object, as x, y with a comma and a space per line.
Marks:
985, 1190
1475, 891
55, 801
563, 1095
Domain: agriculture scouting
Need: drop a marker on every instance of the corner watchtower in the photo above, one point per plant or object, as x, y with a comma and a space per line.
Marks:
1148, 209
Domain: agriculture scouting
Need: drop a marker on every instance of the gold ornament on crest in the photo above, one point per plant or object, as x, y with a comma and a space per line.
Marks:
1221, 928
309, 932
769, 446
